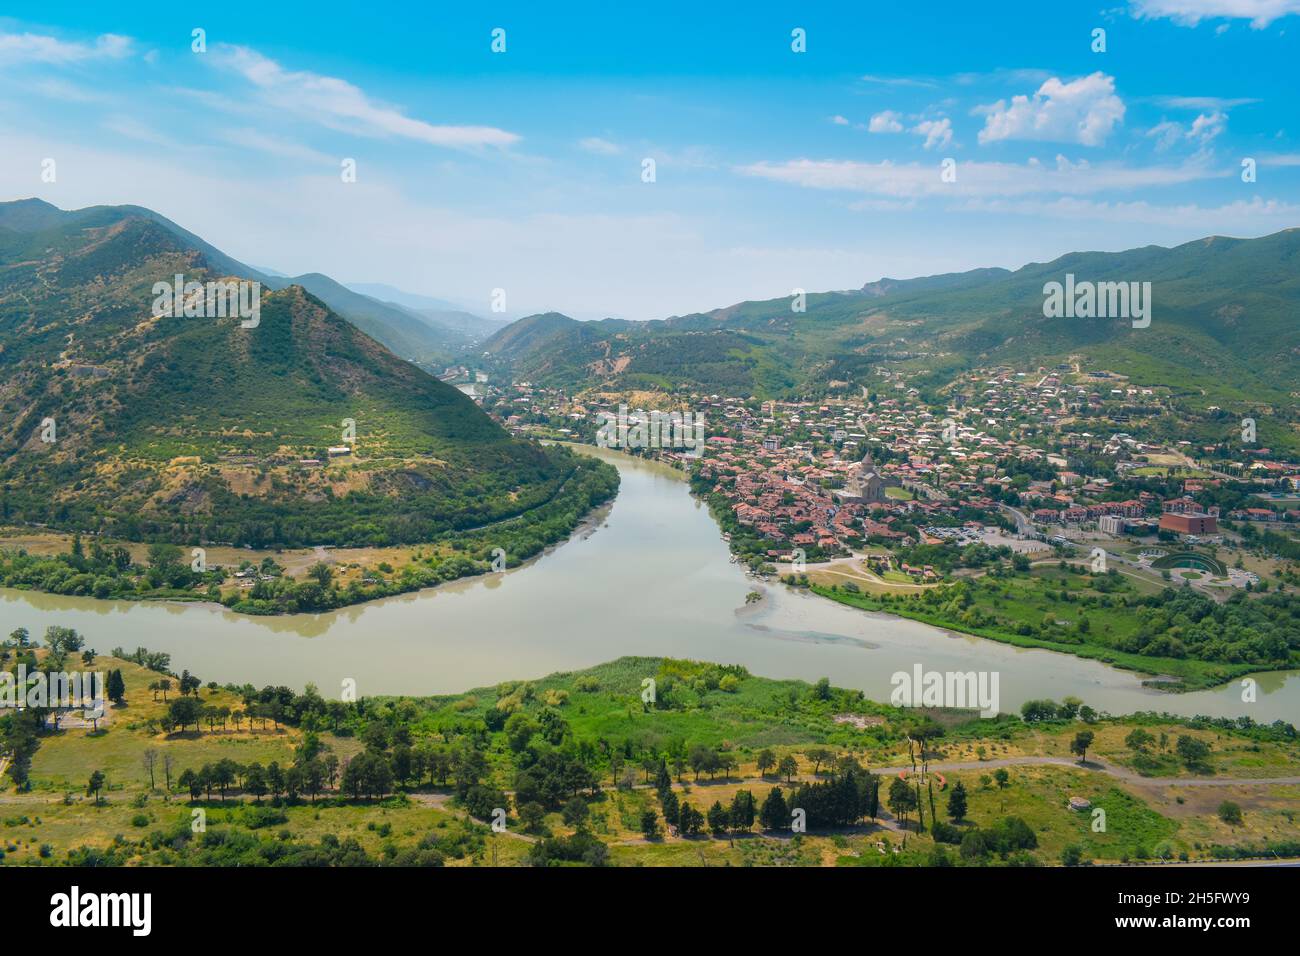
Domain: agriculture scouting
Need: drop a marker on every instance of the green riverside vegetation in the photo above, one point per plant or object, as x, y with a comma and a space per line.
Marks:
715, 766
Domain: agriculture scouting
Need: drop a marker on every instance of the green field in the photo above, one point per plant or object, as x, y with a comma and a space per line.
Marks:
1110, 618
581, 760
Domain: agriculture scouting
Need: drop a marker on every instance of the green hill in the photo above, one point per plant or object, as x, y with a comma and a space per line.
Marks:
198, 429
402, 333
1223, 330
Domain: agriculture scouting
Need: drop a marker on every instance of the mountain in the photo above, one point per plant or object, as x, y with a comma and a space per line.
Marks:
194, 429
556, 350
409, 300
438, 312
947, 280
430, 344
1222, 332
402, 333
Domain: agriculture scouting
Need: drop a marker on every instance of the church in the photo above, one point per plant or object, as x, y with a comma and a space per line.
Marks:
864, 483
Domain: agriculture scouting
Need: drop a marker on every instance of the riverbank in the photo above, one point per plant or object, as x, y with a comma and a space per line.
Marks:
276, 582
1165, 674
1060, 607
281, 776
649, 575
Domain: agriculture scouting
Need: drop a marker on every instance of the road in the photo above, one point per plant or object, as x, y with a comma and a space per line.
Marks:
1102, 766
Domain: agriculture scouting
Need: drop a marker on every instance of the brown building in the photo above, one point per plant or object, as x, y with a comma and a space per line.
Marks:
1189, 523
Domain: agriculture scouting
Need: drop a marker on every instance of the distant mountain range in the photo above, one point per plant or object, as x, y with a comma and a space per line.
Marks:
1224, 330
437, 311
116, 419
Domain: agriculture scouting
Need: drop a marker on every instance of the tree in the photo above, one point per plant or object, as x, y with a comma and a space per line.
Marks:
576, 812
322, 573
95, 785
719, 820
727, 762
689, 820
168, 761
743, 810
116, 687
902, 799
818, 756
766, 761
1072, 855
255, 781
533, 817
1194, 752
189, 780
275, 781
312, 777
701, 759
1230, 813
774, 815
957, 802
223, 776
185, 711
650, 825
671, 806
1080, 744
149, 759
616, 760
974, 846
1138, 739
788, 767
1003, 780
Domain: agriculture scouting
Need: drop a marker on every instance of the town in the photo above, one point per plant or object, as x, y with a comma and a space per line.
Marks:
1048, 461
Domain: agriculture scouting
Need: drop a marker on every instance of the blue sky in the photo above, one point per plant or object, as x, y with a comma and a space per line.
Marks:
774, 169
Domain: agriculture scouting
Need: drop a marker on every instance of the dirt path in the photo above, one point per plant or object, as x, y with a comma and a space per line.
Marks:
442, 801
1102, 766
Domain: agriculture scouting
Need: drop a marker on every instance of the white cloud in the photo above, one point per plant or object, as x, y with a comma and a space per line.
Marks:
883, 205
1203, 129
263, 142
1207, 126
886, 122
936, 132
1202, 102
40, 48
1082, 111
603, 147
55, 88
913, 180
840, 120
1166, 134
340, 105
1260, 13
897, 81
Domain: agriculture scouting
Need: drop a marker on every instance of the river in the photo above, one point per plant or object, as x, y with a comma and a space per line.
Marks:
649, 576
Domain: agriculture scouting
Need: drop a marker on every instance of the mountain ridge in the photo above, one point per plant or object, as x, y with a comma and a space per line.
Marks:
1221, 327
190, 429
